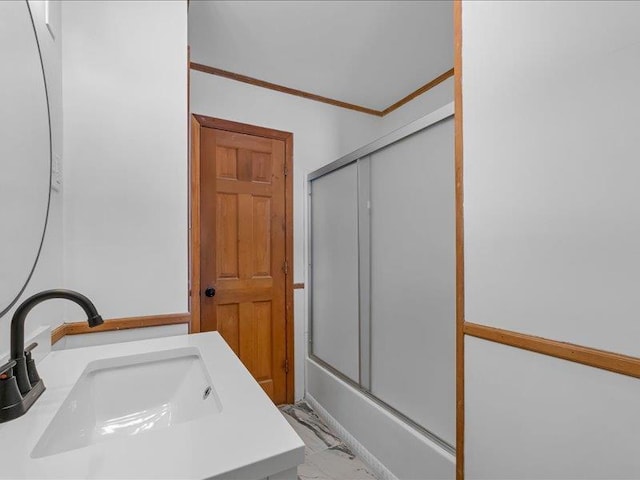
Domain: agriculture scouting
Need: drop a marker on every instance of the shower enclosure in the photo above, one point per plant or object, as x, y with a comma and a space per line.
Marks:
382, 273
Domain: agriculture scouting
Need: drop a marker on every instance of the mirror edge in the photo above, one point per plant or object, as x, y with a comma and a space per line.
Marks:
5, 310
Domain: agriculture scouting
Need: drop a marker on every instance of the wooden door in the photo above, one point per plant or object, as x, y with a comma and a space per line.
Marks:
242, 251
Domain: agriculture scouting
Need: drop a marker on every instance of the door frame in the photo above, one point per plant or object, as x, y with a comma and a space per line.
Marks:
198, 122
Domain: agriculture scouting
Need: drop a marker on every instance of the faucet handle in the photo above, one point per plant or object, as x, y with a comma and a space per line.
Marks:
32, 373
5, 370
27, 351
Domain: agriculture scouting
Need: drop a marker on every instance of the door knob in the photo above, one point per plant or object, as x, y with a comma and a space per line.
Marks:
210, 292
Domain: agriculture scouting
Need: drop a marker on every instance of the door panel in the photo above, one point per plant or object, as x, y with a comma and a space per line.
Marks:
243, 250
261, 253
334, 256
413, 288
227, 241
229, 325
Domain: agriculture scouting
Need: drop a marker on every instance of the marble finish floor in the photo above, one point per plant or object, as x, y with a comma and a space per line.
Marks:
326, 456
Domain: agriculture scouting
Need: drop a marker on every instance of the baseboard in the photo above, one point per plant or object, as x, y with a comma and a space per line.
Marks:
377, 468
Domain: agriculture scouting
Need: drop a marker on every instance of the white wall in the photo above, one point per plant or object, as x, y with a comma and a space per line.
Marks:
531, 416
551, 170
437, 97
551, 233
125, 175
48, 272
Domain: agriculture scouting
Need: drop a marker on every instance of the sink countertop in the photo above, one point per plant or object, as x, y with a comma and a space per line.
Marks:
249, 439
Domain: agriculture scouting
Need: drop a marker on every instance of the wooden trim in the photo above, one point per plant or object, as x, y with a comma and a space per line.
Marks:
318, 98
298, 286
288, 192
592, 357
78, 328
127, 323
427, 86
194, 240
58, 333
193, 167
228, 125
201, 121
281, 88
458, 147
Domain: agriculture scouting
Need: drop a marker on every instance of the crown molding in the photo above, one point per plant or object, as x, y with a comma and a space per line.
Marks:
281, 88
426, 87
319, 98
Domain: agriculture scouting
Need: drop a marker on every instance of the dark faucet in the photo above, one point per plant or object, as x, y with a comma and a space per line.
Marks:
20, 384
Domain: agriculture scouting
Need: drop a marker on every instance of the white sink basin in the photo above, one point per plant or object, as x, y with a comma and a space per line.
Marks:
126, 396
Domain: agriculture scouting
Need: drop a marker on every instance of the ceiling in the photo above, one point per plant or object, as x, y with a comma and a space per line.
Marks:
370, 53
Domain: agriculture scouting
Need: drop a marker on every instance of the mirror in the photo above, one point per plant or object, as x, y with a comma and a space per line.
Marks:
25, 151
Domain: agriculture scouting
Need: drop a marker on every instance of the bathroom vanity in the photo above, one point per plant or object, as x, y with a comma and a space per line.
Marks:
178, 407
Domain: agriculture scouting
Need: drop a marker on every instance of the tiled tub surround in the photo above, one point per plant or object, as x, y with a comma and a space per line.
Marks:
326, 456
